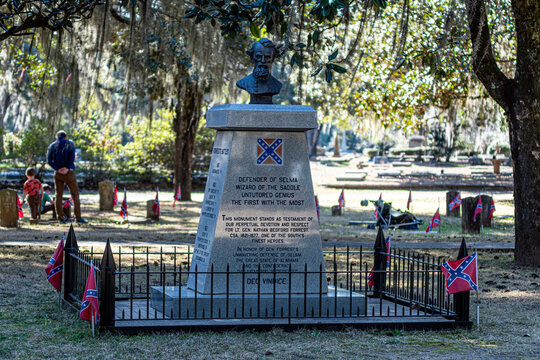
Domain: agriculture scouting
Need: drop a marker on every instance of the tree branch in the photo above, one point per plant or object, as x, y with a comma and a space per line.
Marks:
483, 61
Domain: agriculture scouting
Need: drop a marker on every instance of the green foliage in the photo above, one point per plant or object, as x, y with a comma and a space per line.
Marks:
34, 142
148, 148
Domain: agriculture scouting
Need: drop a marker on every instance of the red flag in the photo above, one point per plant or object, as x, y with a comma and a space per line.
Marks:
317, 207
19, 208
455, 203
68, 203
178, 195
115, 196
89, 304
55, 267
388, 242
371, 277
124, 207
155, 204
478, 209
68, 77
341, 200
461, 275
435, 221
409, 200
491, 210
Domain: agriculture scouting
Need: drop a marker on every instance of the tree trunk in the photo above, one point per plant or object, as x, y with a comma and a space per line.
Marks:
6, 100
519, 98
185, 125
312, 137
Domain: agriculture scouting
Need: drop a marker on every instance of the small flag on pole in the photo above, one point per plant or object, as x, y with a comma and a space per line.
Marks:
455, 203
478, 209
388, 242
376, 212
68, 203
89, 307
317, 207
155, 204
115, 196
55, 267
409, 200
371, 278
435, 221
341, 200
491, 210
19, 208
178, 195
124, 207
461, 275
22, 74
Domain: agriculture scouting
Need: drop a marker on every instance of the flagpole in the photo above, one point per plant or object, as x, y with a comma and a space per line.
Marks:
59, 299
93, 333
477, 310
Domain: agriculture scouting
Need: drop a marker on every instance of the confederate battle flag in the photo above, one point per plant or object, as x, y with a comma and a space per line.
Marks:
409, 200
341, 200
19, 208
55, 267
435, 221
478, 209
371, 277
388, 242
178, 195
461, 275
124, 207
455, 203
89, 304
68, 203
155, 204
115, 196
491, 210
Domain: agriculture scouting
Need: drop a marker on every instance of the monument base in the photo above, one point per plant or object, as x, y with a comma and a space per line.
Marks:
331, 304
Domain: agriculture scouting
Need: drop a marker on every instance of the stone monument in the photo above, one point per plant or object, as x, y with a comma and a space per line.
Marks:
258, 229
106, 194
8, 208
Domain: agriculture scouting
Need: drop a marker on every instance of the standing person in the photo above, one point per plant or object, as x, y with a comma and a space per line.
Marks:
61, 157
47, 199
34, 191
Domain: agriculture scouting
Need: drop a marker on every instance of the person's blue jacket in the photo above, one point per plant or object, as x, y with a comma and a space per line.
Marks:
61, 153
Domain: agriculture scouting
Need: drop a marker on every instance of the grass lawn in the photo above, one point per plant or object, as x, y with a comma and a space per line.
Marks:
33, 327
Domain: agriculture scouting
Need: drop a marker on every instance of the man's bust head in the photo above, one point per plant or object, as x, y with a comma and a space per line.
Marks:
260, 84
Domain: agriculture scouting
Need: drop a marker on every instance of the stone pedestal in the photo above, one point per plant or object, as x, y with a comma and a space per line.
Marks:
259, 206
486, 203
150, 212
106, 194
8, 208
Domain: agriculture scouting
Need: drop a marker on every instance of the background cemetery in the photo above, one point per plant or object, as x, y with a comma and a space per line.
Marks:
403, 111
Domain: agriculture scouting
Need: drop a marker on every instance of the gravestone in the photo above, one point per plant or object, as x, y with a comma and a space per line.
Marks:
486, 203
450, 196
8, 208
150, 212
468, 206
106, 195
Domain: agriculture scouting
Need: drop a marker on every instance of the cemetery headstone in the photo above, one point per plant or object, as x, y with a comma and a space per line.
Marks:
106, 194
8, 208
258, 243
416, 141
150, 211
486, 202
450, 196
468, 206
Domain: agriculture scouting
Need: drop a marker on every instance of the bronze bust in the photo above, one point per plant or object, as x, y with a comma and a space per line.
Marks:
260, 84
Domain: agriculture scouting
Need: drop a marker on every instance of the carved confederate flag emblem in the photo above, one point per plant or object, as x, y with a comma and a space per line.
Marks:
270, 151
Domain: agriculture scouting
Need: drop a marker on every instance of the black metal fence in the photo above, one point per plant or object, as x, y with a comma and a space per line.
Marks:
149, 288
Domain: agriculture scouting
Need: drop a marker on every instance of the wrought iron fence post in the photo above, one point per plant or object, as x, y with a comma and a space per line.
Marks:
462, 299
379, 264
107, 291
69, 267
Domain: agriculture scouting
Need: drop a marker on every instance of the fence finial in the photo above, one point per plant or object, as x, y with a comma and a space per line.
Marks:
107, 291
462, 299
